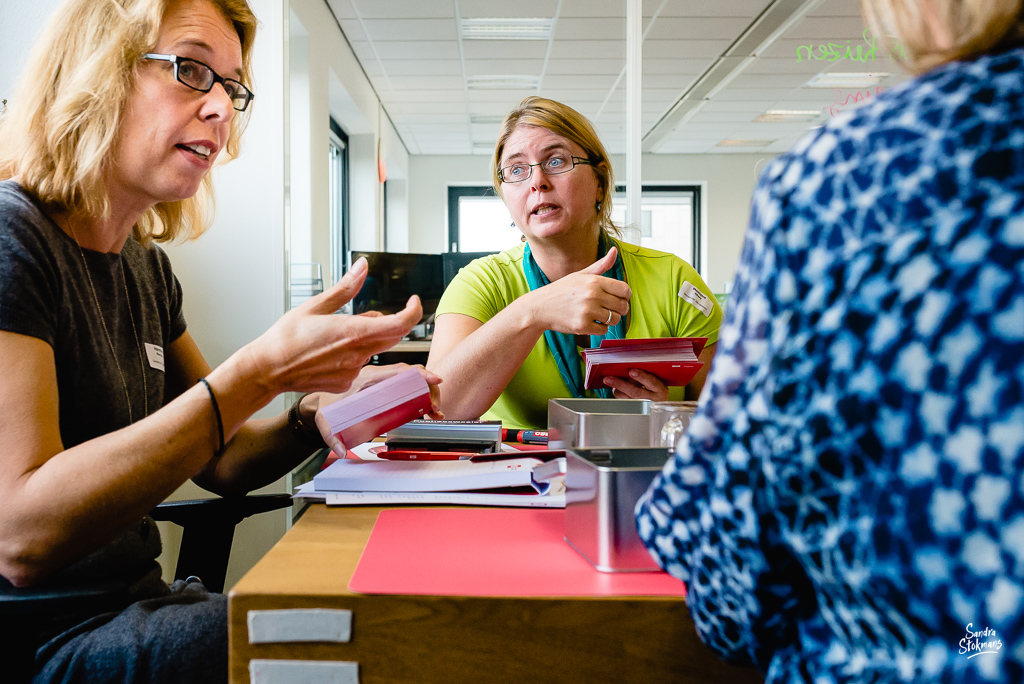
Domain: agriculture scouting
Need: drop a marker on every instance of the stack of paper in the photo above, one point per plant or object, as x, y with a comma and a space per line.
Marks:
499, 482
373, 411
672, 359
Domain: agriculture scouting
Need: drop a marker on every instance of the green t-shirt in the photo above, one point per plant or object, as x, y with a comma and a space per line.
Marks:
663, 305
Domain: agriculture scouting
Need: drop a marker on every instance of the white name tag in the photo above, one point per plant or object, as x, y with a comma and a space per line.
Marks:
156, 356
690, 293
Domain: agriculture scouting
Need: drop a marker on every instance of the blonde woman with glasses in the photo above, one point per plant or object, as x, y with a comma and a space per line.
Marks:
847, 504
108, 405
510, 326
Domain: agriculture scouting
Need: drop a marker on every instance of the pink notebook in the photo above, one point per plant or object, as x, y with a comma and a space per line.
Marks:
488, 552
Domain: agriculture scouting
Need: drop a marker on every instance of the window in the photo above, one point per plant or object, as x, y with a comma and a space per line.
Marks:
670, 220
338, 187
478, 221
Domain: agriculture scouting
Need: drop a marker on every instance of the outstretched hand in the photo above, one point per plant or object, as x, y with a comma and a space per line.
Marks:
311, 349
583, 303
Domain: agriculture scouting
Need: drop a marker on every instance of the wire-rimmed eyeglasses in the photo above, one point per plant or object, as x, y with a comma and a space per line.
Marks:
517, 173
199, 76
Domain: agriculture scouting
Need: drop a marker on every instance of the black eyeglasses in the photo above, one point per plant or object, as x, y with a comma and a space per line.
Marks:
198, 76
517, 173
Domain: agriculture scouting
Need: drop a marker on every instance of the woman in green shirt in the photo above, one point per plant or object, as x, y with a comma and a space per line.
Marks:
509, 327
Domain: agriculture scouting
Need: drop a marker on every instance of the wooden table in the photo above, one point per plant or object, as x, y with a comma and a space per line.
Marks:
452, 639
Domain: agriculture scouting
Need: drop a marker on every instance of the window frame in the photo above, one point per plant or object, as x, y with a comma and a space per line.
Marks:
339, 234
456, 192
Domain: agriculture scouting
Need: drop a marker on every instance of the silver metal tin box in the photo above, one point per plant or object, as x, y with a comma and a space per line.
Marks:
598, 423
602, 487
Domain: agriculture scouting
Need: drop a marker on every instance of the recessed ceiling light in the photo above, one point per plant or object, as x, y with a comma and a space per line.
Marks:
483, 148
732, 142
841, 79
507, 29
502, 82
788, 115
486, 118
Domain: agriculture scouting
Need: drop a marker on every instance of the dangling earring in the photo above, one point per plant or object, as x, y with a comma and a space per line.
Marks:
599, 207
513, 224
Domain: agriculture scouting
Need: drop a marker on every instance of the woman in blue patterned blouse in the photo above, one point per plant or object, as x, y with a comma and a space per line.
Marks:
848, 504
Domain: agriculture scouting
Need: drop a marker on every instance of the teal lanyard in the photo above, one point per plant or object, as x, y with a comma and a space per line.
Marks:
563, 345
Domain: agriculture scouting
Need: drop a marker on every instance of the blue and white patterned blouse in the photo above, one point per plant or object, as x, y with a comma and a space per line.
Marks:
848, 503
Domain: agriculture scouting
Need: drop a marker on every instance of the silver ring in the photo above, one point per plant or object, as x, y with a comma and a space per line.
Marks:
609, 321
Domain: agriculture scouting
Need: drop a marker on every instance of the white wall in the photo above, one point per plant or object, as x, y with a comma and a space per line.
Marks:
21, 23
728, 178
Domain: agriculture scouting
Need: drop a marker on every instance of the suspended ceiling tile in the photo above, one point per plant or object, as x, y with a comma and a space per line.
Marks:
493, 49
704, 116
422, 67
834, 29
492, 9
411, 97
678, 82
606, 28
586, 66
704, 8
592, 96
412, 117
675, 66
410, 49
493, 67
404, 9
509, 97
598, 8
588, 49
411, 29
703, 28
781, 81
685, 49
579, 82
837, 8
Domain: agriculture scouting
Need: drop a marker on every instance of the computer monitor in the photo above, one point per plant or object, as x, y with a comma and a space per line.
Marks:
453, 261
393, 277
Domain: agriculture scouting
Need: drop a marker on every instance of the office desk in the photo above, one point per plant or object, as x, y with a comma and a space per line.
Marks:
451, 639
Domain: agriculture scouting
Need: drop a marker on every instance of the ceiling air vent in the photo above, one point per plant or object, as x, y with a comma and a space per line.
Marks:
507, 29
502, 82
842, 79
788, 116
486, 118
732, 142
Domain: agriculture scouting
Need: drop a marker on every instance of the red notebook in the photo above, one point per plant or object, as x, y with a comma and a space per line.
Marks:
373, 411
673, 359
488, 552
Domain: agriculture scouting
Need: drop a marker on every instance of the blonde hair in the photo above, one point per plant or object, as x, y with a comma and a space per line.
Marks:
565, 121
973, 26
61, 126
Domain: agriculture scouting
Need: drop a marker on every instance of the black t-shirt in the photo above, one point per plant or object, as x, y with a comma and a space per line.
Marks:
45, 292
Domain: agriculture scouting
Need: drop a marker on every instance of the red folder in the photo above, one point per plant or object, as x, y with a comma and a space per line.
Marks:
672, 359
488, 552
373, 411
